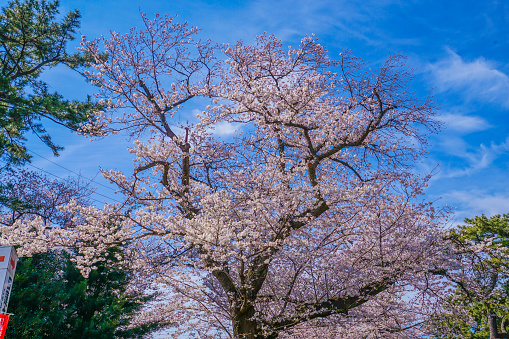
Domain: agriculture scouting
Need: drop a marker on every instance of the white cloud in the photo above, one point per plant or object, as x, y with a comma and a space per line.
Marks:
476, 160
225, 128
290, 20
473, 202
478, 80
464, 123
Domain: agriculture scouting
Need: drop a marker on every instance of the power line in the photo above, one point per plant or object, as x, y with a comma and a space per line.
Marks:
81, 176
56, 176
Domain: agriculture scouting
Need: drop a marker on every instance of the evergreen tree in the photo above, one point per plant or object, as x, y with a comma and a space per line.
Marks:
481, 277
31, 41
51, 299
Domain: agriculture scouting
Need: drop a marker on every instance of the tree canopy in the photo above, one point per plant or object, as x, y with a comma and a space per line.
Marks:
311, 215
31, 41
51, 299
480, 276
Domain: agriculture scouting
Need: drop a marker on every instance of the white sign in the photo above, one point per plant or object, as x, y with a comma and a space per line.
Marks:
8, 261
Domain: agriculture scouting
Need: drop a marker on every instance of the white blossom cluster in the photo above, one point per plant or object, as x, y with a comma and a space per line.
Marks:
309, 222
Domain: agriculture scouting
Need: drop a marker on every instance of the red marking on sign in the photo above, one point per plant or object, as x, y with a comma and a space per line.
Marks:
4, 319
13, 264
2, 258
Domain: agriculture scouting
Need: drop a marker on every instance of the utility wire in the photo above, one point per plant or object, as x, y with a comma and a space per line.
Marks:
56, 176
81, 176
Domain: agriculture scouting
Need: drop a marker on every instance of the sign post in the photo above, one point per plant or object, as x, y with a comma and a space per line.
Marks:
8, 261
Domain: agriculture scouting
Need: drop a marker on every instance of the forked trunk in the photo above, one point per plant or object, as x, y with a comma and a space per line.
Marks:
245, 327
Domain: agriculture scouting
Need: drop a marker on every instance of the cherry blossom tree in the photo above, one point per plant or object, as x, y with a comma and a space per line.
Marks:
32, 195
311, 215
478, 262
51, 298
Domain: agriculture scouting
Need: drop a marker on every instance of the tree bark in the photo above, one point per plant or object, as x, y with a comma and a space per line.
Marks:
244, 327
492, 324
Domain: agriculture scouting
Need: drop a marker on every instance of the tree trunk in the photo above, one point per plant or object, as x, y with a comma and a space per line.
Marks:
243, 326
492, 324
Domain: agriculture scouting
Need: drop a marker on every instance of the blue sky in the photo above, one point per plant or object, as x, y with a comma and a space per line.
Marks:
458, 49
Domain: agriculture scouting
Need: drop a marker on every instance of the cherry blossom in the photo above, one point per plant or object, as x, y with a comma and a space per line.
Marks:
310, 219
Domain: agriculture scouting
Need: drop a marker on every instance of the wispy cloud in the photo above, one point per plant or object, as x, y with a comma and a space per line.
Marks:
224, 128
478, 79
464, 124
220, 129
474, 202
290, 20
476, 160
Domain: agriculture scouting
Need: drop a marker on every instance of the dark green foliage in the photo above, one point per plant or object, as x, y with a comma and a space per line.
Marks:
30, 42
484, 286
51, 299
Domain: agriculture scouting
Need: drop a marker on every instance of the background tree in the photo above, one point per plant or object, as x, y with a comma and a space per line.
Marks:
50, 297
311, 213
479, 271
31, 41
35, 195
